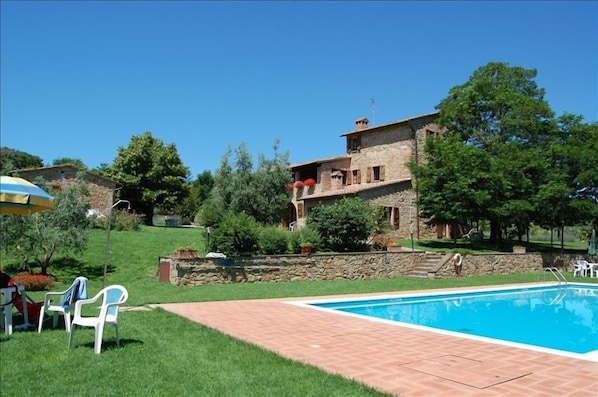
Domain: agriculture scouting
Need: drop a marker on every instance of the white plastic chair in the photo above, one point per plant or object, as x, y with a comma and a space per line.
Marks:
585, 267
112, 297
62, 303
577, 269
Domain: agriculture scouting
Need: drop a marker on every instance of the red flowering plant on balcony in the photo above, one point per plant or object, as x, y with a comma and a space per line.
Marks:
309, 182
290, 186
298, 185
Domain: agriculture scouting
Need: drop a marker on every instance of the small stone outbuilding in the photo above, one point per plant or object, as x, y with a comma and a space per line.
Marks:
101, 189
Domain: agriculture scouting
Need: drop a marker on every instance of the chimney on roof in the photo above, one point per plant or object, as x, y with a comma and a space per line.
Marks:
361, 124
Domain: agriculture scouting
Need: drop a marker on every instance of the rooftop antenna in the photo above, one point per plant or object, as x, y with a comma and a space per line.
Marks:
373, 107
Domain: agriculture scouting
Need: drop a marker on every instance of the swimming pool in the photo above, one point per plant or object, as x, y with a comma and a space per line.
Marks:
558, 319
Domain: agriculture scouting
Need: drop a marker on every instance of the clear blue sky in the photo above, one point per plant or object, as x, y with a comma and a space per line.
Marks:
79, 79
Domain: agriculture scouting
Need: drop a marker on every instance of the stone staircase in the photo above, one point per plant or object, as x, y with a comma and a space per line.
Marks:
431, 263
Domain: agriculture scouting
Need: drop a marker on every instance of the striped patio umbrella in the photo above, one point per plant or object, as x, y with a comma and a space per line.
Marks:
19, 196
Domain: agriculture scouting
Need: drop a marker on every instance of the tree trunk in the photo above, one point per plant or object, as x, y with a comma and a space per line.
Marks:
495, 232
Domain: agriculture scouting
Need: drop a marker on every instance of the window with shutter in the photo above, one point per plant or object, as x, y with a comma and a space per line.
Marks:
395, 216
357, 174
382, 172
299, 210
376, 173
353, 144
368, 177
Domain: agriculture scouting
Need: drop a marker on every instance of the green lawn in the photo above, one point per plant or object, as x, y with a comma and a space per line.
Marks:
163, 354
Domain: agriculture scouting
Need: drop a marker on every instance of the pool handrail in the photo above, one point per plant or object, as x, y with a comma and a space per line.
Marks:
557, 274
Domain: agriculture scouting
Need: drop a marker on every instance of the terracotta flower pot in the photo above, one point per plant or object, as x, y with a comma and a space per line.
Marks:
186, 253
306, 250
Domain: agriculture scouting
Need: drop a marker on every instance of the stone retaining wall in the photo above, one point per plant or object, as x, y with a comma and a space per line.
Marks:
352, 266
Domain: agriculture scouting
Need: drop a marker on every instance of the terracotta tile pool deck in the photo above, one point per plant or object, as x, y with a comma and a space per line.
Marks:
394, 359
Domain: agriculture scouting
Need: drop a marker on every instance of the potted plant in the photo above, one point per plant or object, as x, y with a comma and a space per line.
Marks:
298, 185
518, 249
306, 248
393, 246
186, 253
309, 182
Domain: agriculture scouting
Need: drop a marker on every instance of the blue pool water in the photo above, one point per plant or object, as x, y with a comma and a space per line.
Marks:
555, 317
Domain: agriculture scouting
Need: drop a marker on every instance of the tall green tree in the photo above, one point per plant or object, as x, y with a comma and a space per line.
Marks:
72, 161
13, 159
152, 175
37, 238
270, 195
575, 153
259, 192
457, 183
199, 191
501, 111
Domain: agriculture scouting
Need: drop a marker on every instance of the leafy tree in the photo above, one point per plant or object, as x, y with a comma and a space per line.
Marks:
457, 183
260, 193
12, 159
72, 161
269, 180
499, 103
243, 194
574, 155
38, 237
501, 111
199, 190
152, 174
344, 225
102, 169
222, 192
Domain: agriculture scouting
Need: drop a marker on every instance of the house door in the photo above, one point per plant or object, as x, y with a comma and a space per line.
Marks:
291, 215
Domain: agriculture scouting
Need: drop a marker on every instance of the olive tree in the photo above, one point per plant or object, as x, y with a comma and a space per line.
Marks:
35, 239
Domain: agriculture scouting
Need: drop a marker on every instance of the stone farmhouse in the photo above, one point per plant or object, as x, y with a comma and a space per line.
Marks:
101, 189
374, 169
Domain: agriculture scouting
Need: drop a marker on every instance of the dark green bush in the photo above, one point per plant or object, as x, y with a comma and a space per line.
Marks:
273, 240
344, 226
305, 235
236, 235
294, 242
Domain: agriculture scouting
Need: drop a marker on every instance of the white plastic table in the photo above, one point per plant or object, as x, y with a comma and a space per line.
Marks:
6, 308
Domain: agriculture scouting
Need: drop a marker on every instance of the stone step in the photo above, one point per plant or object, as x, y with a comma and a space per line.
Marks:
430, 263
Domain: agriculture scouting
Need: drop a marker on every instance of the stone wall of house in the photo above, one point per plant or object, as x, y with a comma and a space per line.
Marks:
99, 197
100, 189
352, 266
390, 147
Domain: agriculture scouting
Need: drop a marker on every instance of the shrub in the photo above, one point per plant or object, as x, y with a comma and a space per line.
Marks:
237, 235
304, 236
210, 214
294, 242
121, 220
344, 225
35, 282
124, 220
273, 240
380, 241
